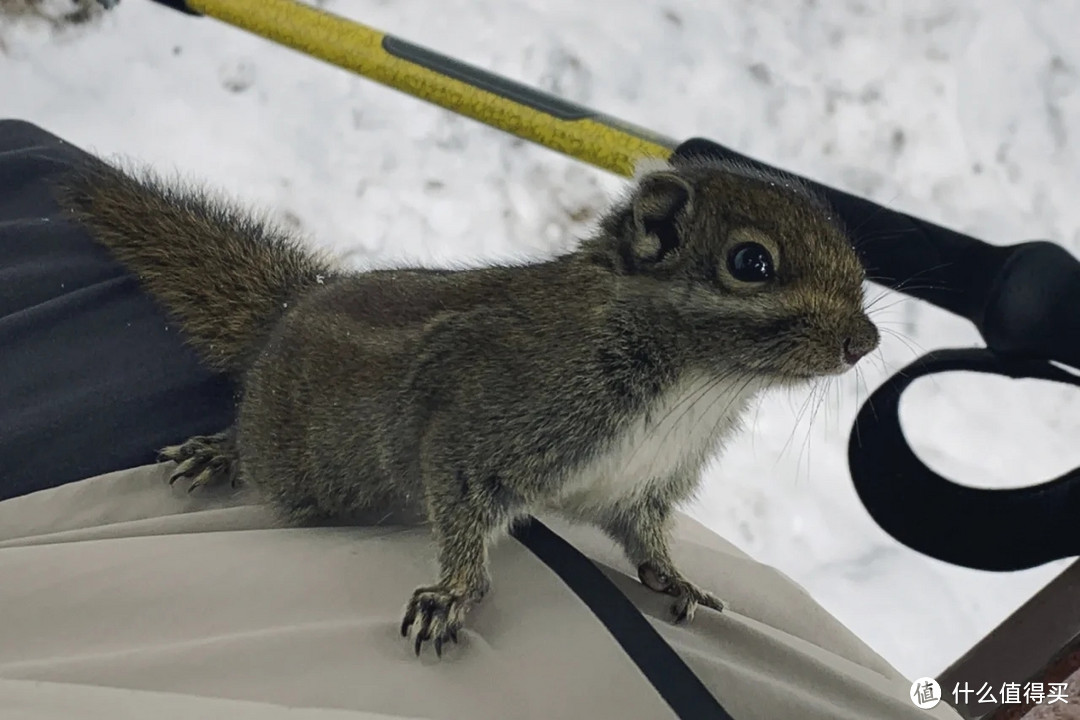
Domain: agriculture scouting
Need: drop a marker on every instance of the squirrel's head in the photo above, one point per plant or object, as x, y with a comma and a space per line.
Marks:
755, 267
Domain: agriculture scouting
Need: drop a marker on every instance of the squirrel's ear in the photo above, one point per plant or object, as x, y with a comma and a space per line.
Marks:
659, 201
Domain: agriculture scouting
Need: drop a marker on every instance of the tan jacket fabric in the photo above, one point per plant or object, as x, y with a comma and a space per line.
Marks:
121, 597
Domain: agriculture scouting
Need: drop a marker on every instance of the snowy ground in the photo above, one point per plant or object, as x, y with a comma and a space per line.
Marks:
965, 113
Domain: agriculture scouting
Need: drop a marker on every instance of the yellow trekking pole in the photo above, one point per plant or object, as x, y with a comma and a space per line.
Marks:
520, 110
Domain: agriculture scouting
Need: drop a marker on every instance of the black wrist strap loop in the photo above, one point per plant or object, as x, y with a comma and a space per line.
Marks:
984, 529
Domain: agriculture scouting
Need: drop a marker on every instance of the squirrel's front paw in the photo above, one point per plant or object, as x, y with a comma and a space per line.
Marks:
434, 613
687, 595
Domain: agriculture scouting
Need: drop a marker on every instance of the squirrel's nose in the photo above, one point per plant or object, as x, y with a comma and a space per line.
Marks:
852, 352
860, 343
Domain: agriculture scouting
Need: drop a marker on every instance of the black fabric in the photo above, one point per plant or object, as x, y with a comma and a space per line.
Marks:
662, 666
93, 376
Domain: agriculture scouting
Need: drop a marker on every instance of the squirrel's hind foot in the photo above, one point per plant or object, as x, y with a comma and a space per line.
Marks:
207, 460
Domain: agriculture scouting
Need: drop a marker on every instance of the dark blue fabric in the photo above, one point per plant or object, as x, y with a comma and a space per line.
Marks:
93, 375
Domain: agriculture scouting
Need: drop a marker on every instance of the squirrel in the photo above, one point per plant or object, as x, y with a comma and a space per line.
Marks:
595, 384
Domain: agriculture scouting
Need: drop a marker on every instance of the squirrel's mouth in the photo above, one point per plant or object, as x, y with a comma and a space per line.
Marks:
783, 376
823, 358
790, 376
800, 378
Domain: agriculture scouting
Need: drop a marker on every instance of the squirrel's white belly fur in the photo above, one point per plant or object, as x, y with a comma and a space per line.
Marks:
677, 434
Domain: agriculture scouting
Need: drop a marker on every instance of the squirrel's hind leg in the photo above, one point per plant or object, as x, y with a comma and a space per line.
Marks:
207, 460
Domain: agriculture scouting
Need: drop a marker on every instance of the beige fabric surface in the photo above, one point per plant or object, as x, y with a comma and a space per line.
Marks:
122, 597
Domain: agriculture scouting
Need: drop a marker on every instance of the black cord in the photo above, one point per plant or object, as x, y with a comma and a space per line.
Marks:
661, 665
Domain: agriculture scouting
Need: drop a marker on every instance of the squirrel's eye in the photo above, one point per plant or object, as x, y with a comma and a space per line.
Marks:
750, 262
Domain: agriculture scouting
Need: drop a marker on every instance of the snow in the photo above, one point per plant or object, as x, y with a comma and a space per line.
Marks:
963, 113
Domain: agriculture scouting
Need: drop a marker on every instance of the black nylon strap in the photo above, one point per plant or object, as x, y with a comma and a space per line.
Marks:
658, 662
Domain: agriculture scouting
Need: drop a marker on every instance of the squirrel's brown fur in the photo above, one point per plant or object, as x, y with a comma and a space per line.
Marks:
597, 383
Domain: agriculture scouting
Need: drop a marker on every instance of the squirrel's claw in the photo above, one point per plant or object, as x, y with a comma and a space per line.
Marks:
206, 459
435, 614
687, 598
687, 595
420, 638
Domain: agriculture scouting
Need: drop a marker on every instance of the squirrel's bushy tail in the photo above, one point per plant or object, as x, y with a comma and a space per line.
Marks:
225, 275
